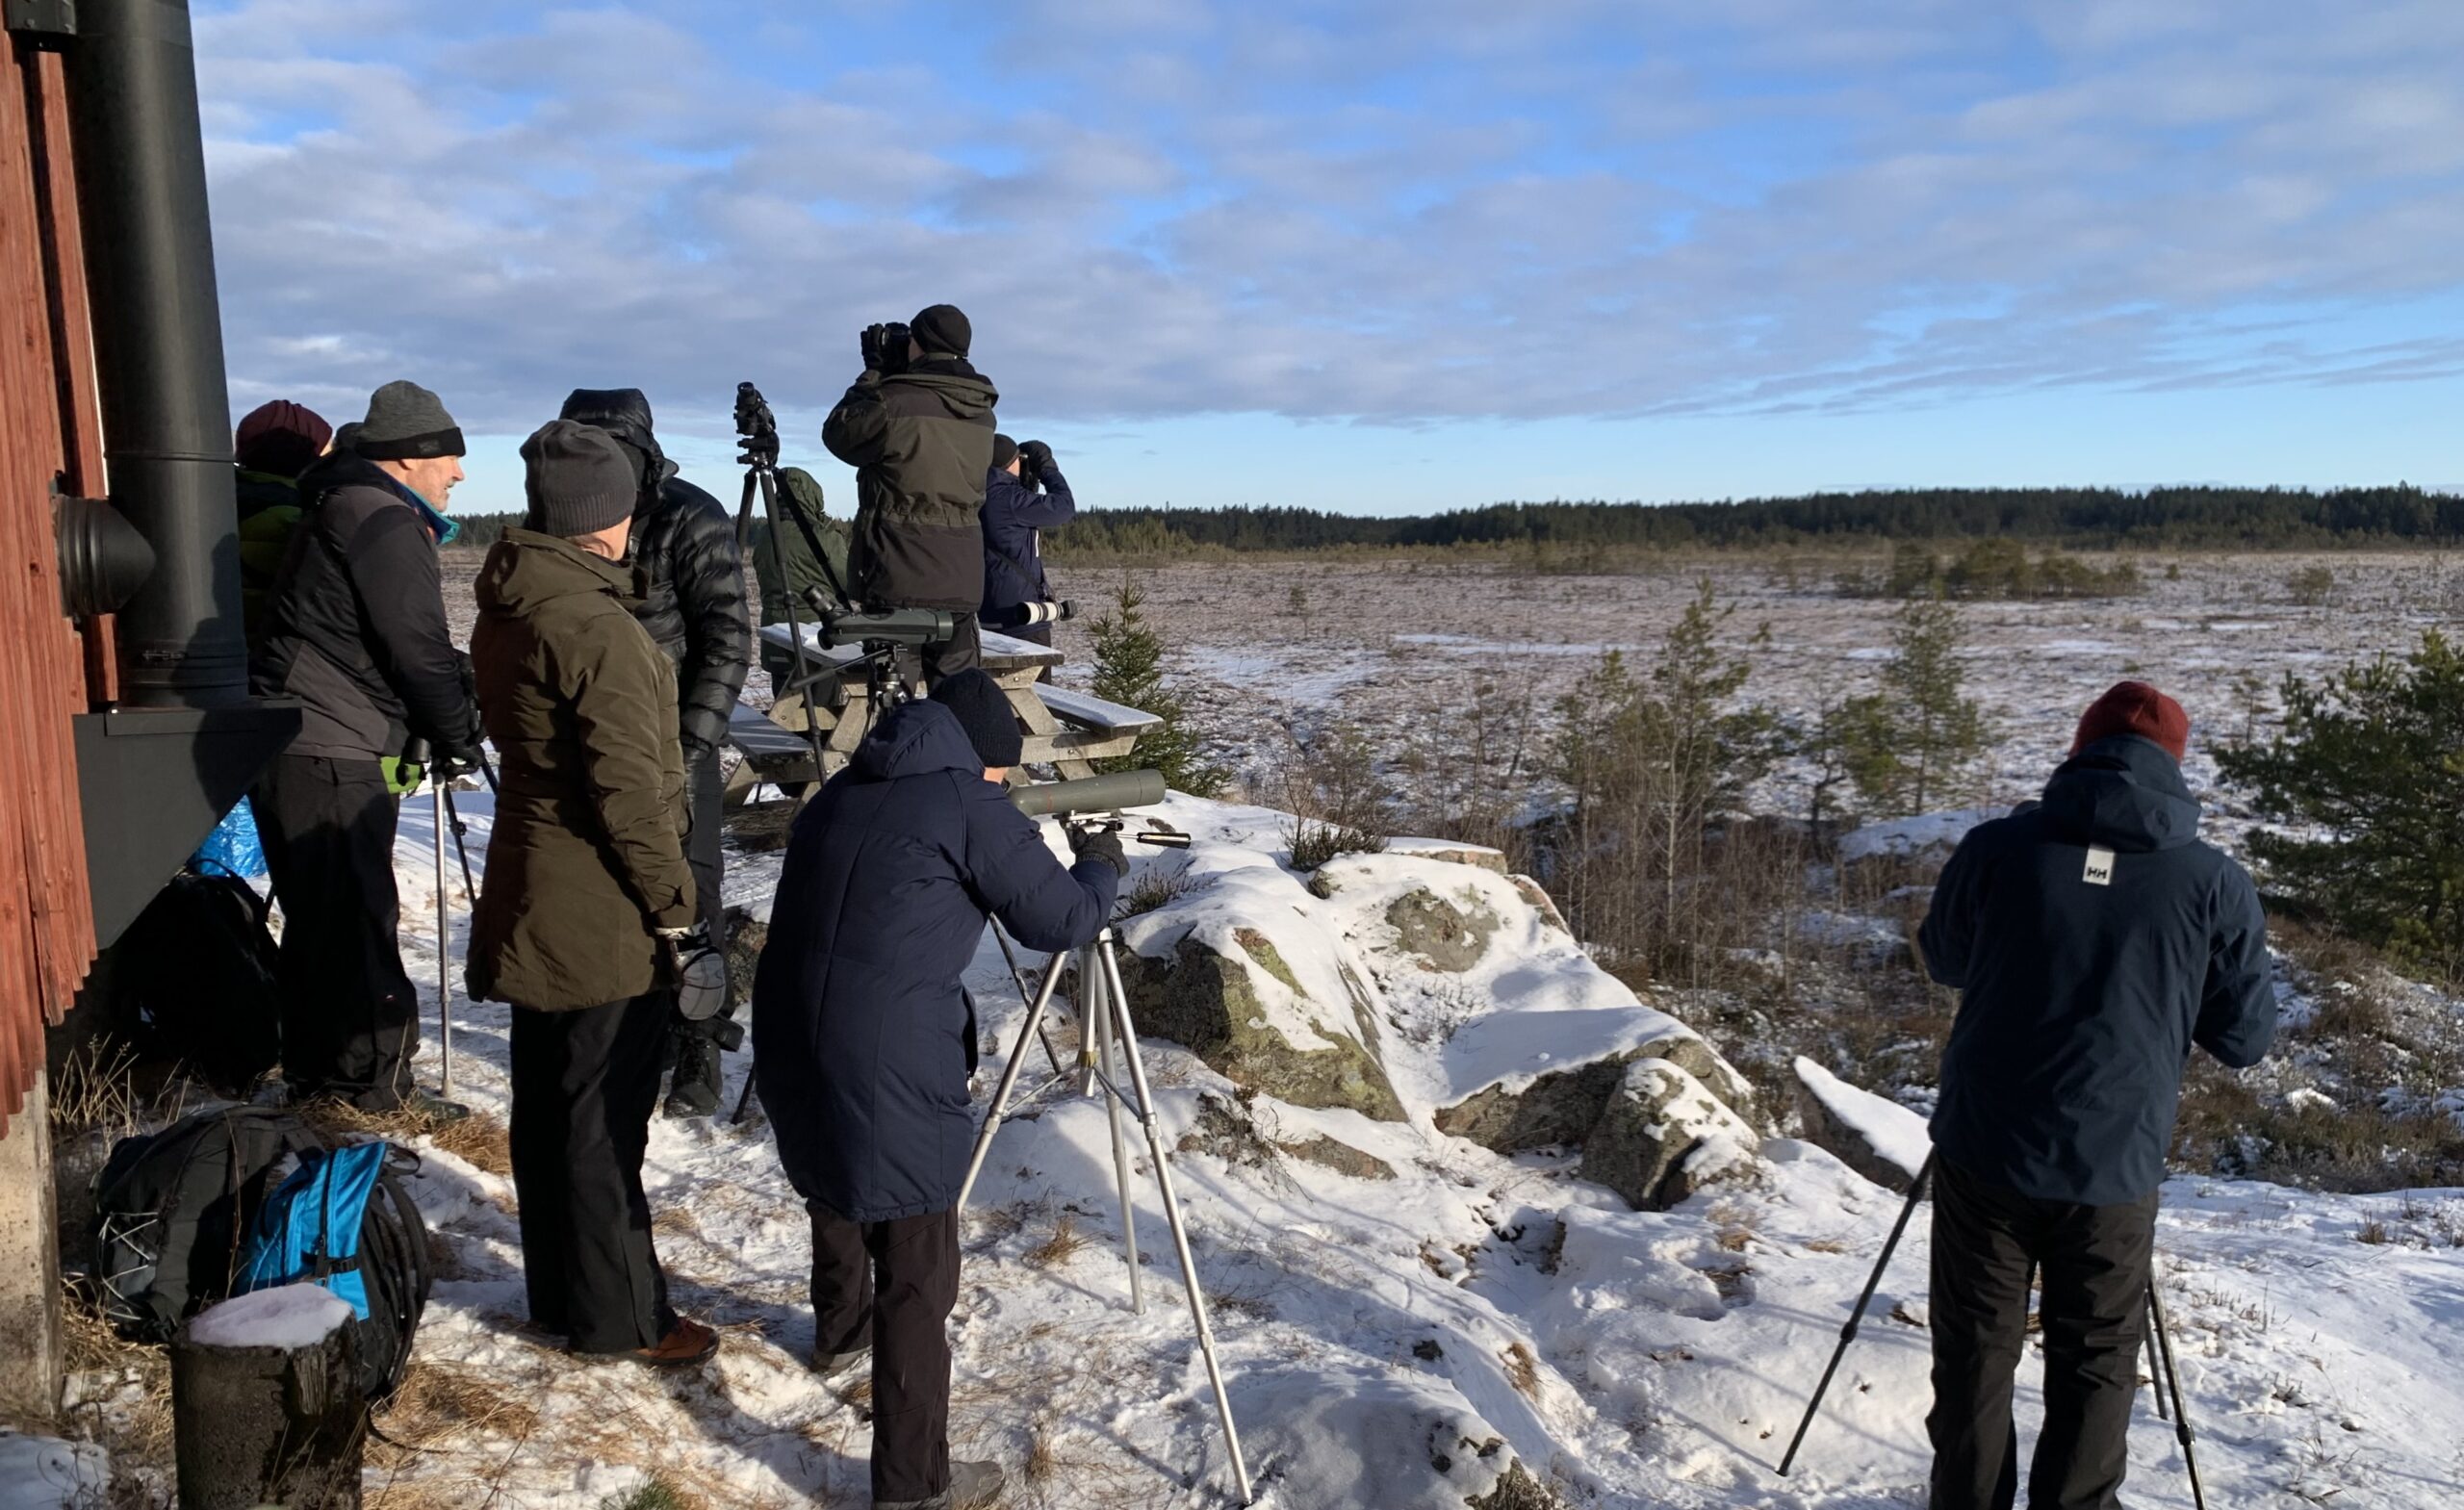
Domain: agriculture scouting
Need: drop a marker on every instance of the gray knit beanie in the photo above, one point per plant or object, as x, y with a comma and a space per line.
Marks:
406, 421
578, 481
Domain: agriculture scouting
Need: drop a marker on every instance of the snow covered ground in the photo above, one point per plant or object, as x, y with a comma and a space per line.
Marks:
1394, 1341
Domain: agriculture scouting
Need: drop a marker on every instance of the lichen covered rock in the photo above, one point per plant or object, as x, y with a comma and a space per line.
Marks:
1663, 1135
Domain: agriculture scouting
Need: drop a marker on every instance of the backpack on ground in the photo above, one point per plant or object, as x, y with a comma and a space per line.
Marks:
192, 980
342, 1220
173, 1211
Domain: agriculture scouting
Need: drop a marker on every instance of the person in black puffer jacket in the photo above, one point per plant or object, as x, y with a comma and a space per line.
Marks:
693, 604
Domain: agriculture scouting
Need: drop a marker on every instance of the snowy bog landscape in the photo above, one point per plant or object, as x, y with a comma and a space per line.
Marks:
1480, 1225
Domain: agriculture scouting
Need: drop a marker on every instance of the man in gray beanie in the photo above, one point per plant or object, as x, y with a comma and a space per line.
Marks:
588, 895
355, 629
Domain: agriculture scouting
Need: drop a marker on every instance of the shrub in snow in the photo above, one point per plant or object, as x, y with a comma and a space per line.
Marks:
1663, 1136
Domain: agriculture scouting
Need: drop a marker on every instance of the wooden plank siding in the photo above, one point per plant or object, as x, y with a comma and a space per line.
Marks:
49, 435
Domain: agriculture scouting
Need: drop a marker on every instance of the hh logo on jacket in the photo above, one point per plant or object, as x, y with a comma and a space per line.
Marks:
2100, 866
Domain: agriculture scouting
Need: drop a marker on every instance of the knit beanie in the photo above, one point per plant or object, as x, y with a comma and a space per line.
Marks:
984, 712
280, 438
346, 437
2134, 707
578, 478
406, 422
1005, 450
941, 330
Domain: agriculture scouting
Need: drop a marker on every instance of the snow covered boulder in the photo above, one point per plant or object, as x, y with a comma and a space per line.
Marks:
1880, 1140
1354, 1436
1244, 976
1663, 1136
1449, 937
1561, 1107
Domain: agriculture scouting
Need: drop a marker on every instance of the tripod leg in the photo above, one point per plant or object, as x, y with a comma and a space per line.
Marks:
1095, 1013
2155, 1363
444, 948
1009, 1078
2173, 1381
1856, 1317
1146, 1120
1018, 978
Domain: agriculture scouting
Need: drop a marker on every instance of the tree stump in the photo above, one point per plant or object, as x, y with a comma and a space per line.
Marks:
265, 1403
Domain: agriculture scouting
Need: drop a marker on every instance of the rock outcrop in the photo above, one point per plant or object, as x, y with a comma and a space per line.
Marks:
1663, 1136
1880, 1140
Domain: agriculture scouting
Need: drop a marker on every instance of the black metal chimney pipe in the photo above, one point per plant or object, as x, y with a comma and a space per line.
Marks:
158, 346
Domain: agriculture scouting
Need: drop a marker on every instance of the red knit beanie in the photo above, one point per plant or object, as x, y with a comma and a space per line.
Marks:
2134, 707
281, 438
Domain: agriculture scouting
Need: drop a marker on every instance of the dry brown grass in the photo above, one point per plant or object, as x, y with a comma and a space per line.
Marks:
1061, 1247
445, 1404
478, 1139
1522, 1369
122, 1392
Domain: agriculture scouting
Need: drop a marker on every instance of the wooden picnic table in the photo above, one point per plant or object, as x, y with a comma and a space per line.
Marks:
1066, 730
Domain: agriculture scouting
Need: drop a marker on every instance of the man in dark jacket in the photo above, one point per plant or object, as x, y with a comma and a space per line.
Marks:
862, 1040
693, 606
587, 889
276, 443
1016, 597
2093, 939
787, 563
917, 427
355, 630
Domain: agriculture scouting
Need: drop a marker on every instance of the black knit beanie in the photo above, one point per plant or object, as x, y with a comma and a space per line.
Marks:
1005, 450
406, 421
941, 330
578, 481
984, 712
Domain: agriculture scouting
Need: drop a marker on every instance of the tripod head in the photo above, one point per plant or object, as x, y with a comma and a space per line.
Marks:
757, 430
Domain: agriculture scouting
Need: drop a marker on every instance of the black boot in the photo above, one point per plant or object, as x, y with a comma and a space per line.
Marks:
695, 1090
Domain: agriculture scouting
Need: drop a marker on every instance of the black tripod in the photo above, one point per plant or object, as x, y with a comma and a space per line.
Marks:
2161, 1346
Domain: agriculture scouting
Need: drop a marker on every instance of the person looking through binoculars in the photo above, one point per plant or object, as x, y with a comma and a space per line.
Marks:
917, 427
863, 1039
1017, 598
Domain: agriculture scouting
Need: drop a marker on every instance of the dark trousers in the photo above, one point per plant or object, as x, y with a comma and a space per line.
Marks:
1988, 1241
583, 1085
963, 652
891, 1284
350, 1012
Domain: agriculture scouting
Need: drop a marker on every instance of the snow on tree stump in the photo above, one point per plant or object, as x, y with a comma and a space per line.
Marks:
265, 1403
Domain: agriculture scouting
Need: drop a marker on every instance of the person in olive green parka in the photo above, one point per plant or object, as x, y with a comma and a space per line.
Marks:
587, 887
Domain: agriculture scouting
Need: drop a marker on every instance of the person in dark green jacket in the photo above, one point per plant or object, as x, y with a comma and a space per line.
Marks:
787, 565
917, 427
588, 894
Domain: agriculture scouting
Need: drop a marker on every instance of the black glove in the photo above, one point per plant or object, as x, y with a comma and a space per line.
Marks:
1034, 459
470, 673
870, 343
1101, 844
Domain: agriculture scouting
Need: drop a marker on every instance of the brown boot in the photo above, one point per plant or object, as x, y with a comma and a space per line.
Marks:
686, 1344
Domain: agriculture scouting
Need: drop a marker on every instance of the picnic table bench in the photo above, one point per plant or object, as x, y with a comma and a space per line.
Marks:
1066, 730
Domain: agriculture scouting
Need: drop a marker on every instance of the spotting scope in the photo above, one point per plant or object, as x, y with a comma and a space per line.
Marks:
1090, 794
895, 626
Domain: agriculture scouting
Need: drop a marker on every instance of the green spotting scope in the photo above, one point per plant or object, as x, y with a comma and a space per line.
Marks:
1090, 794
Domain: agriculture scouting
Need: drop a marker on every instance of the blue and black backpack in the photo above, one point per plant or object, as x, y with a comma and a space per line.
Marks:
342, 1220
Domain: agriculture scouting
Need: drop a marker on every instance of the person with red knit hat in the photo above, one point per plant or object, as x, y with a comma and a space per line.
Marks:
2093, 938
276, 443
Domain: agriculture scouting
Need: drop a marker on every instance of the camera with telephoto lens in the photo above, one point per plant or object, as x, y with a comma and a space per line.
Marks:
1048, 612
756, 427
884, 347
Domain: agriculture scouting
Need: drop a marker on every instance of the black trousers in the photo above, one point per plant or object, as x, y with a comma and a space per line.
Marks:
920, 668
1987, 1241
583, 1086
891, 1284
350, 1012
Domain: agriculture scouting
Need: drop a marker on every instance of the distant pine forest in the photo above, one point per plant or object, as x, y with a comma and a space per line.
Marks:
2084, 518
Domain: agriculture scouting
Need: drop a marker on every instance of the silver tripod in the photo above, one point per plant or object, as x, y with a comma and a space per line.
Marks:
1108, 1040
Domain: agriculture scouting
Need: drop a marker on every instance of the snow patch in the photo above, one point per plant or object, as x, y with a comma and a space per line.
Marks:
286, 1316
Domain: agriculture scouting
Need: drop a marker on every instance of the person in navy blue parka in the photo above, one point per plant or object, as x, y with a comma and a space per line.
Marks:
1016, 517
863, 1039
2094, 938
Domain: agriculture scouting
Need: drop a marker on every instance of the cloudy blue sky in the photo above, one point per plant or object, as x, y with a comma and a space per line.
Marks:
1387, 255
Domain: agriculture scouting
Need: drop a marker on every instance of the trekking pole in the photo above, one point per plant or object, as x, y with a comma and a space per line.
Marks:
461, 846
1856, 1317
444, 942
2173, 1380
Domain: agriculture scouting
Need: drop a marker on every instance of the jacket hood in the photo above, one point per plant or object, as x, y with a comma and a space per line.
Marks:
525, 570
917, 739
967, 394
623, 413
2125, 793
